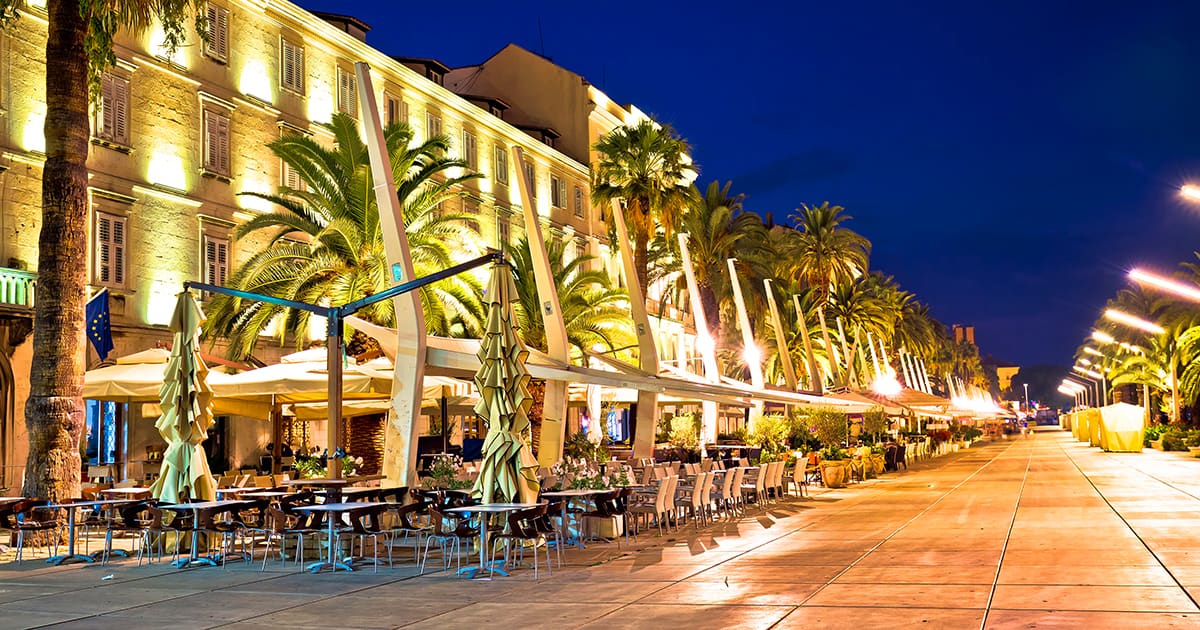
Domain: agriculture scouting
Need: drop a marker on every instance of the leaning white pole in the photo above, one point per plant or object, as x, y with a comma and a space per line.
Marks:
400, 444
785, 355
704, 344
554, 407
750, 350
647, 412
816, 380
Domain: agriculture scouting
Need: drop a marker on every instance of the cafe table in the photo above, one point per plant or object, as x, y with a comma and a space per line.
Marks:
237, 493
332, 487
130, 492
575, 539
71, 556
333, 512
214, 507
482, 510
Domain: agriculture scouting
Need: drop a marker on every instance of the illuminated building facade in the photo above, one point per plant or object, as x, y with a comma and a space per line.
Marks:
175, 139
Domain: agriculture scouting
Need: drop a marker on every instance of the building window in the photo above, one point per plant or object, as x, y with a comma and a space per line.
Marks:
217, 45
433, 125
470, 153
216, 142
527, 170
111, 245
500, 165
112, 119
216, 260
578, 201
558, 192
347, 94
395, 110
580, 249
502, 232
291, 67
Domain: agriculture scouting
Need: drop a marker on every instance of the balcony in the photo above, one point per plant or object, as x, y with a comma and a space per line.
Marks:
17, 288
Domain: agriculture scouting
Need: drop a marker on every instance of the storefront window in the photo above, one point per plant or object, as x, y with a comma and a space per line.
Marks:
104, 428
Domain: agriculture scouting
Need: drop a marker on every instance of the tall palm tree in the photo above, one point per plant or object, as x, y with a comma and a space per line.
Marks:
717, 230
645, 166
1168, 361
594, 311
79, 47
326, 245
825, 252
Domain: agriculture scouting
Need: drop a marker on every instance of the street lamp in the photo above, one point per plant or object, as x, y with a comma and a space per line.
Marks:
1190, 192
1133, 321
1103, 337
1086, 386
1026, 386
1092, 351
1098, 379
1186, 291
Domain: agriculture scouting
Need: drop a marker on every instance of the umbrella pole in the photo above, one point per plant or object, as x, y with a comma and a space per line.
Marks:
333, 346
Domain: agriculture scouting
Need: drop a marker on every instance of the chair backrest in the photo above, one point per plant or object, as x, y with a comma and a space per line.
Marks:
900, 453
706, 495
760, 481
242, 481
727, 484
100, 474
689, 469
739, 475
128, 483
264, 481
660, 472
226, 481
698, 489
798, 471
742, 461
777, 478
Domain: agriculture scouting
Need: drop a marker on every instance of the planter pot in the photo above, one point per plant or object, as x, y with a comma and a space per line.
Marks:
878, 463
1156, 445
954, 447
834, 473
1194, 451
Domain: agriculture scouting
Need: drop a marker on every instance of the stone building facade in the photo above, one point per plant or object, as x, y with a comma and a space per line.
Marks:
175, 139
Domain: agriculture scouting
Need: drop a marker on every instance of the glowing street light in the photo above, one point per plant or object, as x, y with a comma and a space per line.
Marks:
1181, 289
1094, 352
1133, 321
1190, 192
1086, 372
1085, 362
1103, 337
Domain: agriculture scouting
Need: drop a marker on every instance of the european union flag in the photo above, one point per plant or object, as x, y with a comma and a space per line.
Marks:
99, 328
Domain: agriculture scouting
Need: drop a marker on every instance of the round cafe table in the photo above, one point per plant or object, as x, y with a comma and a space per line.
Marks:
482, 511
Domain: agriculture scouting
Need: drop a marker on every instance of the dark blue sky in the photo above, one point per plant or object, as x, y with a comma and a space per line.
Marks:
1009, 162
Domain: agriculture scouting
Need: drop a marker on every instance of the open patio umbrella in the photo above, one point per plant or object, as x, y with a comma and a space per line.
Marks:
508, 470
186, 400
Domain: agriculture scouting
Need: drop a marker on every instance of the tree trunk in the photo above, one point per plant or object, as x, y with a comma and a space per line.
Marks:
712, 314
54, 413
537, 391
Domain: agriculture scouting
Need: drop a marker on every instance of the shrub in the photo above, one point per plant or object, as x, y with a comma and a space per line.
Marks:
1192, 439
685, 431
1152, 432
875, 421
830, 426
771, 432
1173, 441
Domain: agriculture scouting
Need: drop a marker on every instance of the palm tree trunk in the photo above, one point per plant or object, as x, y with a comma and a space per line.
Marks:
537, 391
54, 413
1174, 396
708, 301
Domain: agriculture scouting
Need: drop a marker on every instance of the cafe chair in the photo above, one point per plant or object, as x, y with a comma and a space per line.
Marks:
30, 517
522, 532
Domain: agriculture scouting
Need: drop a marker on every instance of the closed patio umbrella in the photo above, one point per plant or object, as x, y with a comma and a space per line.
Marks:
186, 400
508, 470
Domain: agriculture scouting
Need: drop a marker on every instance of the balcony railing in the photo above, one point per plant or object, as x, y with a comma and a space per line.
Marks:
17, 287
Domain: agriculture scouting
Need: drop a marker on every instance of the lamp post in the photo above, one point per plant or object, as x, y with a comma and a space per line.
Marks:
1096, 378
1085, 386
1026, 386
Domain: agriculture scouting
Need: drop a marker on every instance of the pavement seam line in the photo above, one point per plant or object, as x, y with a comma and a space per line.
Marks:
1114, 509
987, 608
893, 534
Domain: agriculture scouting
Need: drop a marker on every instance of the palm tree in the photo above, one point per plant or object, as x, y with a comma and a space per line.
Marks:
341, 256
717, 230
645, 166
594, 311
1169, 361
78, 49
826, 253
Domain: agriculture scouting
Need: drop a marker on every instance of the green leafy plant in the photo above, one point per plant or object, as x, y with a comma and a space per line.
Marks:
1173, 441
1152, 433
875, 422
1192, 440
771, 433
685, 431
443, 473
834, 453
829, 426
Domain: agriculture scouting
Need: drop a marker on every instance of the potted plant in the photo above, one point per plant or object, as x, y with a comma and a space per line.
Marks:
831, 428
878, 461
1192, 442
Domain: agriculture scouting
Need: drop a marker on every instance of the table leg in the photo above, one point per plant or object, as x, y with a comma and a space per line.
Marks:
70, 555
194, 555
330, 559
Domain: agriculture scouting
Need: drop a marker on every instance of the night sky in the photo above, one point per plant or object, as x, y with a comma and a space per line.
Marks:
1009, 163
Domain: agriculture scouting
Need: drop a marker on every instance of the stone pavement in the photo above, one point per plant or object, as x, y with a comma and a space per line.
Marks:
1041, 532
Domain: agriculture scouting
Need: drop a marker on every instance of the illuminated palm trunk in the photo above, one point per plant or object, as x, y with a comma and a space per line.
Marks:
54, 413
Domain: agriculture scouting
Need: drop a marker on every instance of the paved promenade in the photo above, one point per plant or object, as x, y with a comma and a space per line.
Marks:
1034, 533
